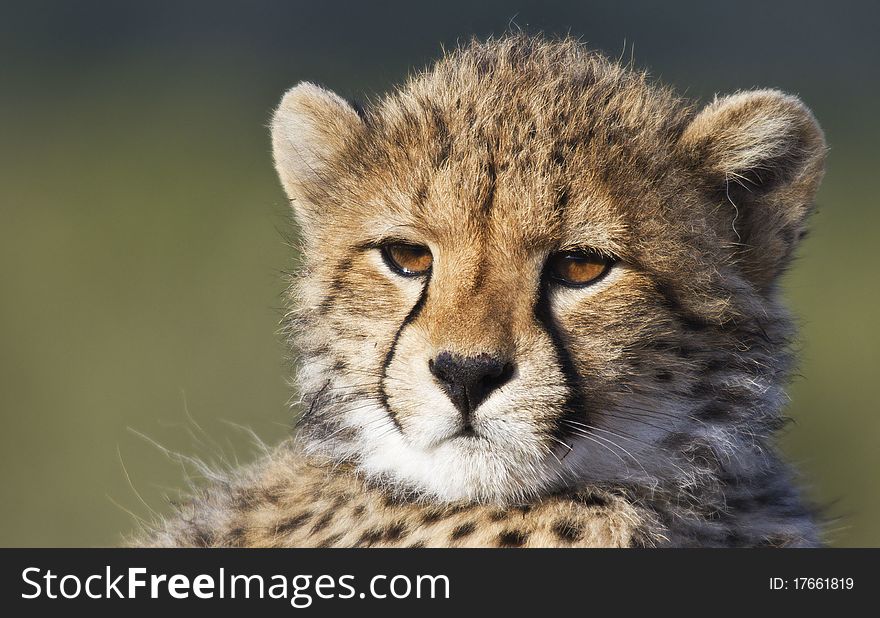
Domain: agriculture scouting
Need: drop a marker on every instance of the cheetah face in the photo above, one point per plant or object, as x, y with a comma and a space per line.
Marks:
525, 271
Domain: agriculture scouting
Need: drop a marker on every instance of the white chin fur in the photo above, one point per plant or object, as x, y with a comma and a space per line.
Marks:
456, 469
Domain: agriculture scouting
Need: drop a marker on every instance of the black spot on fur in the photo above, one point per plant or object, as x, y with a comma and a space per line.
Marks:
433, 516
395, 532
663, 376
234, 537
512, 538
323, 522
392, 500
685, 351
664, 345
292, 524
203, 537
592, 500
660, 345
693, 323
327, 303
329, 541
704, 388
442, 137
272, 495
558, 155
338, 501
788, 235
244, 499
463, 530
319, 350
713, 412
421, 195
742, 504
567, 530
716, 364
370, 537
562, 198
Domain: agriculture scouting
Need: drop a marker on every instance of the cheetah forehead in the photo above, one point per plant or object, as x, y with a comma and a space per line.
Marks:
548, 144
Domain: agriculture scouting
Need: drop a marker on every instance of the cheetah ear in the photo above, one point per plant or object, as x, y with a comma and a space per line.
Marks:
310, 127
764, 153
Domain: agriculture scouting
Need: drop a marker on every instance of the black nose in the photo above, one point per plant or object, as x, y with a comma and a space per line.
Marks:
468, 380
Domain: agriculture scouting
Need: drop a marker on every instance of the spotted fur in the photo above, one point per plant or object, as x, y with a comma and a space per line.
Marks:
289, 500
642, 408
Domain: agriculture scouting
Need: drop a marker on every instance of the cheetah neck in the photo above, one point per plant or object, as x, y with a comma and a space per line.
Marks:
290, 499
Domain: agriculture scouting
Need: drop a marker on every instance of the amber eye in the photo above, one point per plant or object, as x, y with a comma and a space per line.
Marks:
407, 259
577, 268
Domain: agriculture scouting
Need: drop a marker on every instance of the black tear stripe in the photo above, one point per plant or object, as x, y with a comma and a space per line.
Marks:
571, 378
389, 356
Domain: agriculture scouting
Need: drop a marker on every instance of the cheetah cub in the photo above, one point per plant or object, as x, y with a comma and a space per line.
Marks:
538, 306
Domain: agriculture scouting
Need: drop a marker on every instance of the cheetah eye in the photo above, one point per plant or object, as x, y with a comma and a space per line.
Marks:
407, 259
577, 269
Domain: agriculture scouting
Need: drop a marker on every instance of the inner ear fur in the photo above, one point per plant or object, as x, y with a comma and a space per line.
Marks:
310, 129
762, 155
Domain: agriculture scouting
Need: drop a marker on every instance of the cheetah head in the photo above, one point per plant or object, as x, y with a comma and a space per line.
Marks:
529, 268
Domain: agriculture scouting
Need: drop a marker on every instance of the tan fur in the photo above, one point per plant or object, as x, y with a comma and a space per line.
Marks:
658, 388
330, 506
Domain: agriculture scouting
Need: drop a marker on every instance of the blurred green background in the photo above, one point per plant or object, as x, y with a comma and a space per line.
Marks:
142, 230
